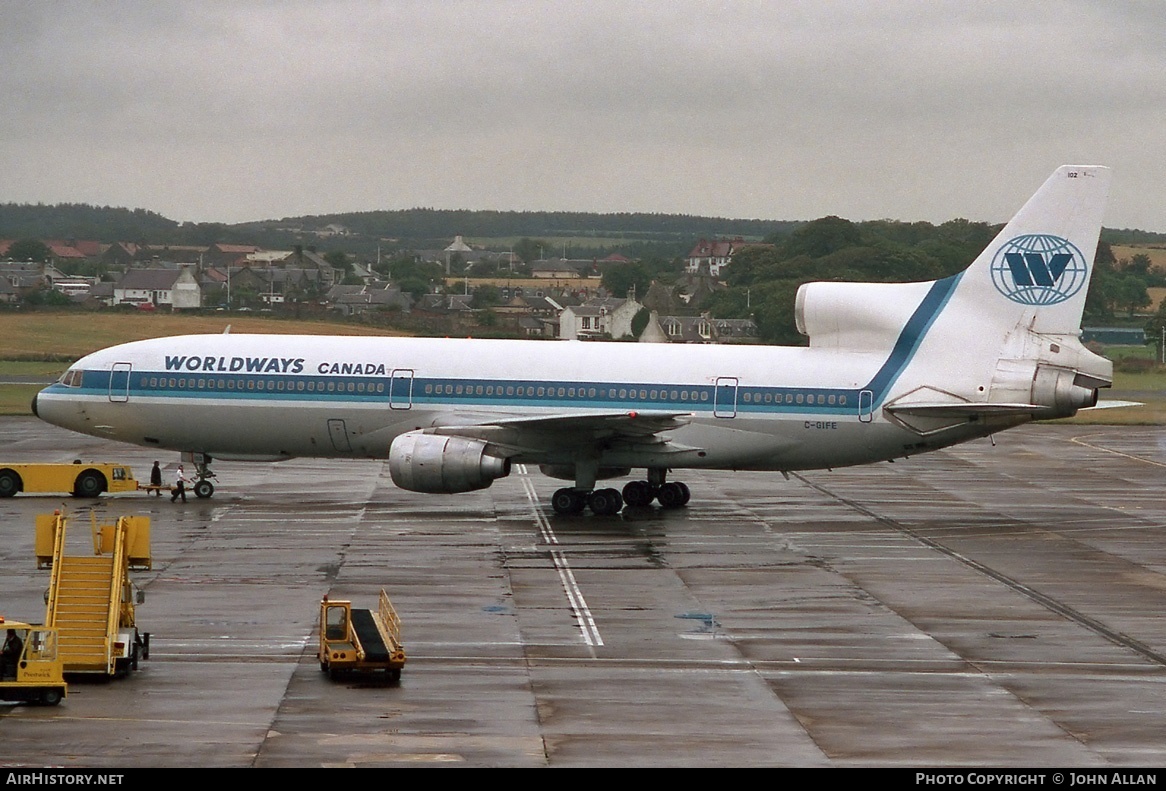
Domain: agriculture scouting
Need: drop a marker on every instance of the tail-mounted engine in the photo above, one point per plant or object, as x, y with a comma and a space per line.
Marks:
443, 465
1061, 391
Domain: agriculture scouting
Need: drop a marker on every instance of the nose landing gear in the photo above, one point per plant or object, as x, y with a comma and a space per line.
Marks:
203, 488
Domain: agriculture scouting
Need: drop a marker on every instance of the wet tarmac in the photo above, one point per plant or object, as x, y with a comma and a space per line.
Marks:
989, 605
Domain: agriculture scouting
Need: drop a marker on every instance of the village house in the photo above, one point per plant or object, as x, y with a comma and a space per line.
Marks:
602, 317
160, 287
710, 257
705, 329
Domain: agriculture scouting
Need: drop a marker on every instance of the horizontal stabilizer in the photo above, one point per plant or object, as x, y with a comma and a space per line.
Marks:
964, 409
1113, 405
972, 409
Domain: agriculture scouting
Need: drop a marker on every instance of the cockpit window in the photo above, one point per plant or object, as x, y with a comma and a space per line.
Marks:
72, 378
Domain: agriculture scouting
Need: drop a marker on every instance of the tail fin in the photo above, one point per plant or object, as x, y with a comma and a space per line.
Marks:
1036, 271
1002, 337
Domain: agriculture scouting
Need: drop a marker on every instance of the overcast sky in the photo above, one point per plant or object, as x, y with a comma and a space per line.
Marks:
913, 110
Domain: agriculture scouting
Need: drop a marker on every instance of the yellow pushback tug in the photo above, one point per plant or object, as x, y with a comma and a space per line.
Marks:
77, 479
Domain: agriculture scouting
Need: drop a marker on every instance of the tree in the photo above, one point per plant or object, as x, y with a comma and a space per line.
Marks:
529, 249
822, 237
203, 233
487, 267
30, 250
457, 263
752, 265
620, 279
486, 296
640, 322
47, 297
415, 287
1156, 327
773, 311
1139, 264
1130, 293
337, 258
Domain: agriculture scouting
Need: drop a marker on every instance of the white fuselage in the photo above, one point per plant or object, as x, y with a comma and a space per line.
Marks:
272, 397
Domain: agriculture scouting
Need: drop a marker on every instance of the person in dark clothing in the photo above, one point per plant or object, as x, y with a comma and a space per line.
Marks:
10, 656
156, 479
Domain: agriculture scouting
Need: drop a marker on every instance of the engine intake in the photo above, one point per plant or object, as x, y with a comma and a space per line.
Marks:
443, 465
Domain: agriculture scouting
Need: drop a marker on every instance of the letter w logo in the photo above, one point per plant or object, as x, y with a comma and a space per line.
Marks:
1030, 269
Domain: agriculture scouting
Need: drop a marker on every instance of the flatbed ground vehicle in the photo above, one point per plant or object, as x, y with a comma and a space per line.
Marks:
78, 479
360, 641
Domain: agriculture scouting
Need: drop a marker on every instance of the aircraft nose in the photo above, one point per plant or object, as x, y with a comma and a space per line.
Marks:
34, 405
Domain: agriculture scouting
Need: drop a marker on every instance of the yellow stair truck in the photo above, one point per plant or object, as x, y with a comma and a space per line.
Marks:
91, 598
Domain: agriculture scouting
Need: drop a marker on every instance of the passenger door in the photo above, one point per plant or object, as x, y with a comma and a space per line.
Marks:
401, 389
725, 397
119, 382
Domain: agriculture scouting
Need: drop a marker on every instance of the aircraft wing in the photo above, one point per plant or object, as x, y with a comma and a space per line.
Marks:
555, 431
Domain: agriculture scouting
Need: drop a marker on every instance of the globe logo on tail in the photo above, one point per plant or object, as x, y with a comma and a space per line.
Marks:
1039, 269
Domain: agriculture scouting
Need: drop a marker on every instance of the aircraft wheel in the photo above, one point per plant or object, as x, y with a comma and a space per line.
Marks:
605, 502
568, 501
687, 494
671, 495
9, 483
89, 484
638, 493
203, 489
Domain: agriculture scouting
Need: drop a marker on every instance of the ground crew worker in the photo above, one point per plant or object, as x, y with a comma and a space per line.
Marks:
156, 479
179, 489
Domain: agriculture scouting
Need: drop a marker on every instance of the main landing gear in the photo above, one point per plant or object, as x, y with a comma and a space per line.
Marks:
604, 502
608, 502
673, 494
